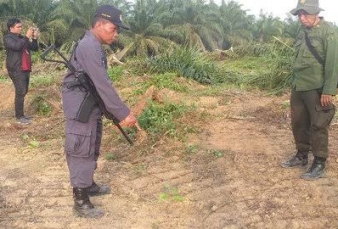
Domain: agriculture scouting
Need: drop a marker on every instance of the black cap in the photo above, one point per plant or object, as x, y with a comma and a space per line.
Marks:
110, 13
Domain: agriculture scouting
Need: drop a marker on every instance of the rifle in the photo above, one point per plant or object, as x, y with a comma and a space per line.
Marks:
92, 98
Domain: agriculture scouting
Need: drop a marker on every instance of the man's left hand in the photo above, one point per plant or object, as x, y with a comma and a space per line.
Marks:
326, 100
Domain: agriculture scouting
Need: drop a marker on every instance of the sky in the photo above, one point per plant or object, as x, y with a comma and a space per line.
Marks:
280, 8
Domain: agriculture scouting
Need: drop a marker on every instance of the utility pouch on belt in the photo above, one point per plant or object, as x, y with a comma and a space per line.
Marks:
87, 106
89, 102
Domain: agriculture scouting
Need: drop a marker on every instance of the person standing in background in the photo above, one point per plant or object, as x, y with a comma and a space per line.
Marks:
18, 62
314, 84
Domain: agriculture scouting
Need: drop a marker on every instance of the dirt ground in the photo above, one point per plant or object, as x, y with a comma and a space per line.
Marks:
229, 178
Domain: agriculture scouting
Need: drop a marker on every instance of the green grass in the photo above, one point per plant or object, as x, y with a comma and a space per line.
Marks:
167, 80
116, 73
170, 193
41, 105
110, 157
218, 153
191, 149
4, 78
31, 141
163, 119
39, 81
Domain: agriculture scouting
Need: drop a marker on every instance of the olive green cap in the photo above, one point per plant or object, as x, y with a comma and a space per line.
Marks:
309, 6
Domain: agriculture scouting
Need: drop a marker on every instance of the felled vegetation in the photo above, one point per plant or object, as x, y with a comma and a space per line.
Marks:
186, 62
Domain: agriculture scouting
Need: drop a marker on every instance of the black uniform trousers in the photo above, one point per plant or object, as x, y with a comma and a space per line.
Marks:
82, 148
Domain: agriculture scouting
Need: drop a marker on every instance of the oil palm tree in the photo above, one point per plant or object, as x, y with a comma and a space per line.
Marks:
32, 13
69, 20
147, 36
196, 21
236, 24
266, 27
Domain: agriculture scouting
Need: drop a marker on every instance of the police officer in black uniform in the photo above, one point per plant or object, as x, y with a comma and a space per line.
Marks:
83, 139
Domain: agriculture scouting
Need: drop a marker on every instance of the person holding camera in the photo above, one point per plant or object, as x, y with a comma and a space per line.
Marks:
18, 62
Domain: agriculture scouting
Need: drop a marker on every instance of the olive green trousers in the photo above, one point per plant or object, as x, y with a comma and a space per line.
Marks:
310, 122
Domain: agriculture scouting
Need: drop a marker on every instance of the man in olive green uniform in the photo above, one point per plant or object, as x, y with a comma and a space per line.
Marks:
314, 82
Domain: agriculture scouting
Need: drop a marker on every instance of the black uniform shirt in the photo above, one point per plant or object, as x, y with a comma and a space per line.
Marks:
91, 58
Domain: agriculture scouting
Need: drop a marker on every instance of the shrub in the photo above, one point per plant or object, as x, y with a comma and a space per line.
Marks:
115, 73
162, 119
41, 106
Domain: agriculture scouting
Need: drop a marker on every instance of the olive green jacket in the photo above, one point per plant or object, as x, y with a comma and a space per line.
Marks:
308, 73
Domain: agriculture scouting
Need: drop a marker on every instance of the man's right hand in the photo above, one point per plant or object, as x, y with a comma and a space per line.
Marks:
129, 121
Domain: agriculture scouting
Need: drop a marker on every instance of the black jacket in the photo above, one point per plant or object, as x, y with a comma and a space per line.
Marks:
14, 45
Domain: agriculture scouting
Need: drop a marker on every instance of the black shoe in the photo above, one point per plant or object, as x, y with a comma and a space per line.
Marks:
23, 121
316, 170
300, 159
96, 190
28, 117
82, 205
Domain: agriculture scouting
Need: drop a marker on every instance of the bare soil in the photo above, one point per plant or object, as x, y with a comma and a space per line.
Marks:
229, 177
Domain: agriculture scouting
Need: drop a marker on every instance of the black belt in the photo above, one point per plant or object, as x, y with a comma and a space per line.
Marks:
72, 84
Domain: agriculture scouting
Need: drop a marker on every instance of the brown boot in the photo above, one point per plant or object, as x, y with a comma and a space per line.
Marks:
82, 205
300, 159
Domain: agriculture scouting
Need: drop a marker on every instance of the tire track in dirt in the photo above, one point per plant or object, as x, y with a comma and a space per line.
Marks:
257, 192
36, 189
244, 188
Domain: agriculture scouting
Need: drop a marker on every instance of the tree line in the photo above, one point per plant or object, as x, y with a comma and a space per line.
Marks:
155, 25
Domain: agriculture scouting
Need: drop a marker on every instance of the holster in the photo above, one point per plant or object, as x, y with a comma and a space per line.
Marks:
87, 106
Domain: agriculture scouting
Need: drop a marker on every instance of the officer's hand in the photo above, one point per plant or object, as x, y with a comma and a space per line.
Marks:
129, 121
326, 100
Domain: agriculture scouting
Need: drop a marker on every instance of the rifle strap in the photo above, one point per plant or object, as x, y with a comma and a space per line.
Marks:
75, 46
313, 50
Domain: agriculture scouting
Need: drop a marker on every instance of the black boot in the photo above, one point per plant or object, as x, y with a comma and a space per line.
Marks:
82, 205
300, 159
316, 170
96, 190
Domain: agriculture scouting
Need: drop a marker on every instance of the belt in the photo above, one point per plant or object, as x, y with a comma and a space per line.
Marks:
72, 84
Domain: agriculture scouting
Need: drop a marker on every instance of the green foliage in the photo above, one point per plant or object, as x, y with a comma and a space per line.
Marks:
41, 105
218, 153
162, 119
138, 66
156, 26
110, 157
115, 73
186, 62
3, 78
191, 149
170, 193
166, 80
159, 27
31, 141
35, 57
264, 66
42, 81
